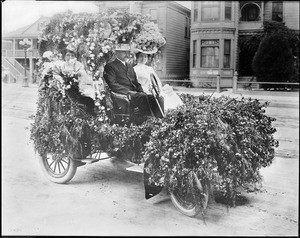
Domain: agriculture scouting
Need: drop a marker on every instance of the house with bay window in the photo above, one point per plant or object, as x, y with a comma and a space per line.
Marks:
216, 27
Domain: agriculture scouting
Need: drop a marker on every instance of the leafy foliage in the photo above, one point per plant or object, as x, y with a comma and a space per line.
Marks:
275, 53
224, 141
274, 61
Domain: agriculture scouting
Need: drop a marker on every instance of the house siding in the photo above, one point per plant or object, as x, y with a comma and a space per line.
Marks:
291, 14
177, 43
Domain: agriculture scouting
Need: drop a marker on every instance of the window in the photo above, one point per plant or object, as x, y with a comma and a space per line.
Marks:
227, 10
153, 14
194, 53
250, 12
210, 10
187, 56
187, 27
196, 11
210, 53
35, 43
226, 61
277, 11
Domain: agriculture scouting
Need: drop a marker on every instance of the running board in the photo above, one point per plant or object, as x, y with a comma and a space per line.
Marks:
95, 158
90, 161
138, 168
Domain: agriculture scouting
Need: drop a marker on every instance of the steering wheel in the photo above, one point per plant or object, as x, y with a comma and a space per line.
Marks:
154, 85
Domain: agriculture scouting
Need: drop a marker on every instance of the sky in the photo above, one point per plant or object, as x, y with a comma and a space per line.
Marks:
20, 13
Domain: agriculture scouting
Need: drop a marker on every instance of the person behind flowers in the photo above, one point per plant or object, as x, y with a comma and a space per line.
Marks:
143, 72
121, 78
85, 93
47, 62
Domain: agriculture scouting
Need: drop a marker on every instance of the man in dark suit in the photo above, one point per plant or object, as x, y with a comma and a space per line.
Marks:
121, 78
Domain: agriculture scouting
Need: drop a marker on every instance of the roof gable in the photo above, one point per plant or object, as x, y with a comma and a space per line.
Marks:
32, 30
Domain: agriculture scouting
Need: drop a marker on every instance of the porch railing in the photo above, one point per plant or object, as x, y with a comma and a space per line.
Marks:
20, 53
11, 68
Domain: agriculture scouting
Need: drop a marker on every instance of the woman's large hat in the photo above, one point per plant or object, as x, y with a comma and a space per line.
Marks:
148, 52
47, 54
71, 47
123, 47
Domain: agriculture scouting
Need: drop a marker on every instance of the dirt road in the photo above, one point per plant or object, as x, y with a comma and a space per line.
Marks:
105, 199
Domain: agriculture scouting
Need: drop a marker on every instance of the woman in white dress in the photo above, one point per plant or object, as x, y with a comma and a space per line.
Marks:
143, 73
71, 65
86, 94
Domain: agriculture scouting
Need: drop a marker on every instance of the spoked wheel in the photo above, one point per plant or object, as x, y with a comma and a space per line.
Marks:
190, 200
57, 168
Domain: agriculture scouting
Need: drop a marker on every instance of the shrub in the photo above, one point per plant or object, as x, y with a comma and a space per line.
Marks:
274, 61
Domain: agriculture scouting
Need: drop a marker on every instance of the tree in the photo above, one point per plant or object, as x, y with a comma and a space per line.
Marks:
274, 60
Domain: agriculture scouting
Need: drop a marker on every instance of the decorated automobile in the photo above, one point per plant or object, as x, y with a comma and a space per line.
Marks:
204, 144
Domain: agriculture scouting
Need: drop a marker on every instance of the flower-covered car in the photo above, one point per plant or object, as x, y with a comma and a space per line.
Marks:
206, 143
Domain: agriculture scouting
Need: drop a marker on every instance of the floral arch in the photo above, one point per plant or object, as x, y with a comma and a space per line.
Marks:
95, 36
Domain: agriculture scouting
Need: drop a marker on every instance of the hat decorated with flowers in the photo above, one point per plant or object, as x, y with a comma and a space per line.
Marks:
149, 40
71, 47
47, 54
146, 51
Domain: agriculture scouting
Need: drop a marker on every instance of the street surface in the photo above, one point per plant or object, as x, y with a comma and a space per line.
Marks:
105, 199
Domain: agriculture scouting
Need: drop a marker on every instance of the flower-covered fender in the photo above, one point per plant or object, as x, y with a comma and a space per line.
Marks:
150, 189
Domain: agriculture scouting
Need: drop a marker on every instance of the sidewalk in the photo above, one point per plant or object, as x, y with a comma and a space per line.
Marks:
284, 99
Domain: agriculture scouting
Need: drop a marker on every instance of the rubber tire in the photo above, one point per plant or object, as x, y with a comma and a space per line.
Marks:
193, 211
61, 179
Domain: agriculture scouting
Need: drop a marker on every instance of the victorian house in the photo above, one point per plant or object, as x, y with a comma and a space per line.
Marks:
216, 27
172, 18
13, 52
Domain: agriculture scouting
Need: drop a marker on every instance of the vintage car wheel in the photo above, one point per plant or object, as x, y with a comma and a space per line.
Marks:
189, 204
57, 168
